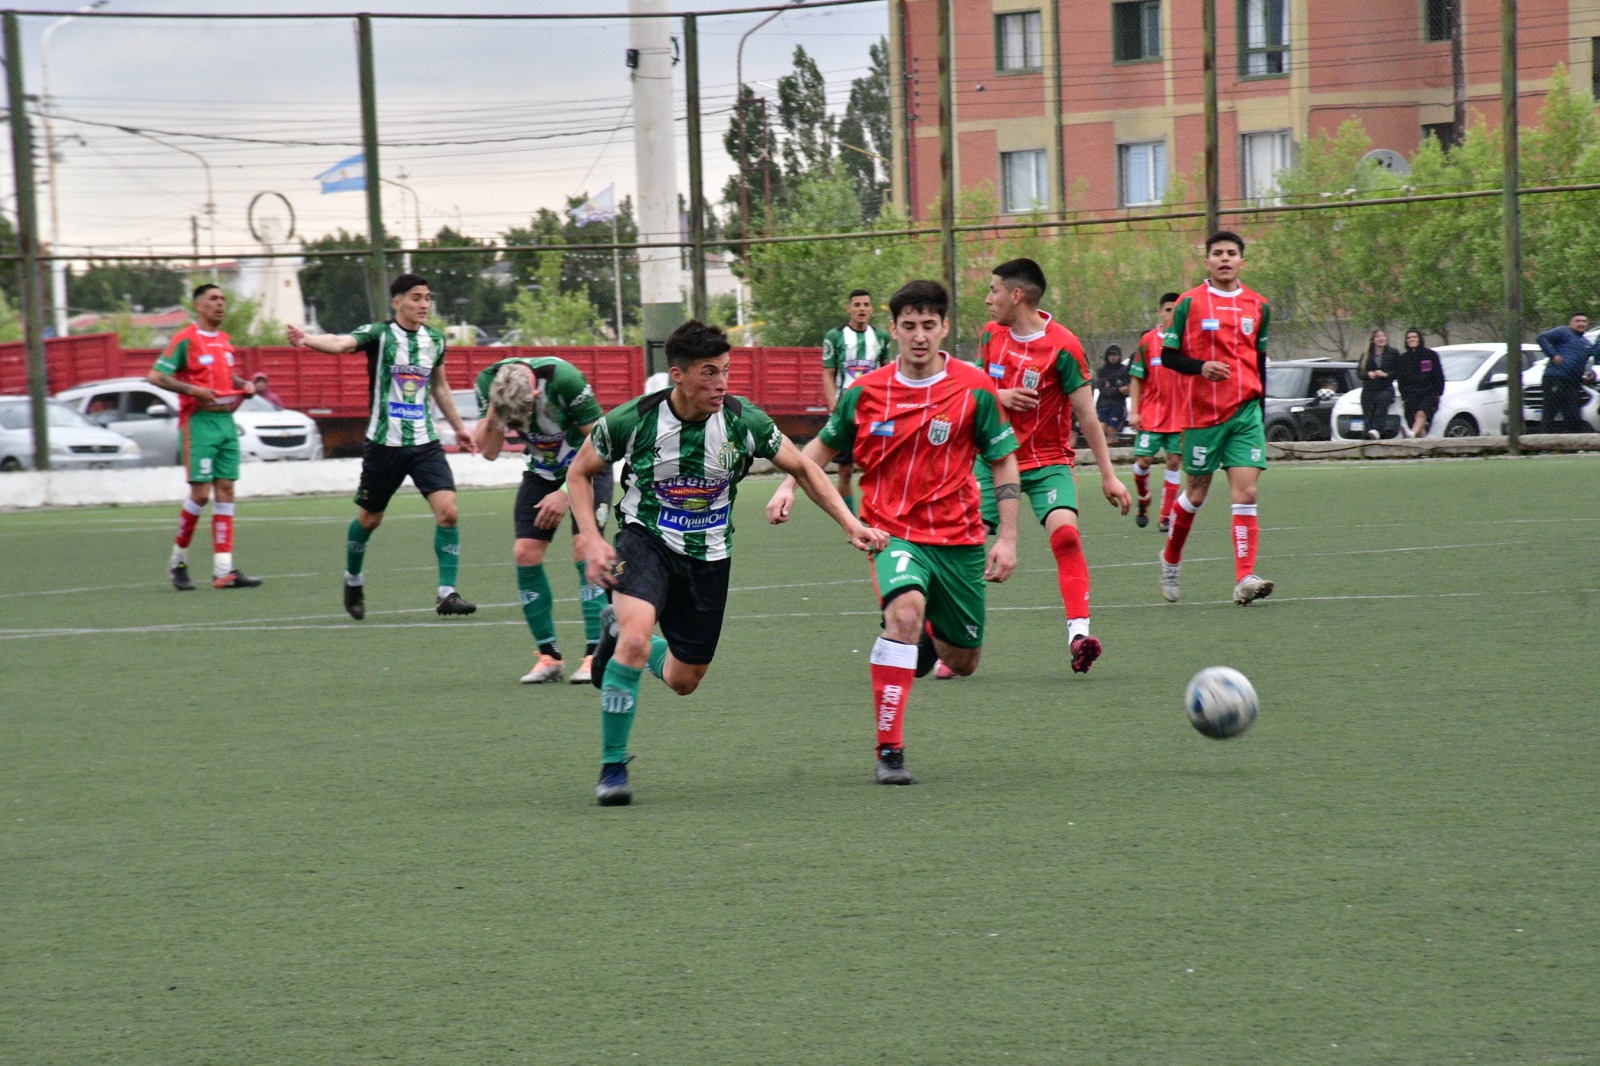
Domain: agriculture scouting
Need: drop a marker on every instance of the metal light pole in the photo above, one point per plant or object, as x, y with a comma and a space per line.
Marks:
211, 199
58, 267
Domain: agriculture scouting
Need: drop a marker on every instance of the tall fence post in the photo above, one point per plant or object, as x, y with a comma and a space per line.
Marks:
1511, 181
947, 164
28, 238
377, 280
1208, 66
697, 217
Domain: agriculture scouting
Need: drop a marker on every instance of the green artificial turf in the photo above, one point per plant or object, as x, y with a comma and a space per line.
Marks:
241, 828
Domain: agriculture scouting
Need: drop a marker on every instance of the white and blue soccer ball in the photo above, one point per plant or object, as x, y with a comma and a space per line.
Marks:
1221, 702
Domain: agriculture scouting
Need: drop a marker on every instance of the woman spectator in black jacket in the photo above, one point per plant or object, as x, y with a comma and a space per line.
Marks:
1421, 381
1376, 374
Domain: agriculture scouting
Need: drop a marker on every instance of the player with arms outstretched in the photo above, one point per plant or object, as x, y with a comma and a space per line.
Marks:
686, 448
1217, 343
405, 366
848, 352
1155, 422
917, 426
552, 404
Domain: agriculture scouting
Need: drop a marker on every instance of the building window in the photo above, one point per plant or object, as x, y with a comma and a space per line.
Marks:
1437, 16
1264, 156
1025, 177
1263, 38
1443, 132
1136, 31
1143, 173
1019, 41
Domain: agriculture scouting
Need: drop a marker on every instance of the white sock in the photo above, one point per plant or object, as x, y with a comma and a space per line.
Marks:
222, 564
1077, 627
1173, 477
1183, 501
445, 590
354, 580
180, 556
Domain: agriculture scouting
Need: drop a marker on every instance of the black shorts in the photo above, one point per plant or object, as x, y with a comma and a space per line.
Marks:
689, 595
384, 468
1412, 402
533, 491
847, 457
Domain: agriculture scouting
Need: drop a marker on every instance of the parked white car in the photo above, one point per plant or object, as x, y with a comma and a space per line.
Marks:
466, 401
149, 414
75, 442
1474, 400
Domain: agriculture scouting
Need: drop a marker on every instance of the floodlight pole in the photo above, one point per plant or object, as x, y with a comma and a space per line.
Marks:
377, 280
28, 241
1509, 183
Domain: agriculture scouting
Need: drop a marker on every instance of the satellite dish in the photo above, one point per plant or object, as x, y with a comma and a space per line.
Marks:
1389, 160
271, 218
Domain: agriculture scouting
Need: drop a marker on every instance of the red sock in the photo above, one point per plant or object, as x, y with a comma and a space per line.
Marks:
1245, 535
1182, 521
1141, 484
222, 532
894, 668
187, 521
1072, 571
1169, 498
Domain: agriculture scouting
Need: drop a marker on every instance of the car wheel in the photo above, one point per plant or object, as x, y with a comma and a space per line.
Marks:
10, 464
1278, 432
1462, 426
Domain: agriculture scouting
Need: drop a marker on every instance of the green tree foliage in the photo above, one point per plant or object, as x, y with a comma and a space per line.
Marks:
10, 320
1561, 232
464, 286
758, 175
809, 131
546, 315
865, 137
591, 273
337, 285
109, 286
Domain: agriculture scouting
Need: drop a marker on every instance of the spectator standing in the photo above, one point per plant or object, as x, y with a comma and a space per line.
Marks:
1569, 356
1420, 376
1112, 379
1376, 373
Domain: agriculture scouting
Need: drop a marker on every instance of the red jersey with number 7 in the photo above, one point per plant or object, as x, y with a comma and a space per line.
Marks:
1225, 327
915, 443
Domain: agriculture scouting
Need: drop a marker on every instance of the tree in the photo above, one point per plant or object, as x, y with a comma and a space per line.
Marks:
809, 131
337, 285
758, 178
546, 315
10, 321
463, 288
592, 273
865, 137
109, 286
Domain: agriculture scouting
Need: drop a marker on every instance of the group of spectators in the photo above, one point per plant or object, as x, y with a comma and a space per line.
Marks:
1416, 372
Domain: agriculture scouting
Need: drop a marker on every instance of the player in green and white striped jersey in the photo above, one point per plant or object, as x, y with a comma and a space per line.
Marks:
405, 366
552, 404
686, 449
852, 350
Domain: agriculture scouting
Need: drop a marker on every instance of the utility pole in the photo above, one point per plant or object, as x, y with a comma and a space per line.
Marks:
697, 215
1208, 66
947, 164
1512, 209
28, 240
660, 270
377, 280
58, 266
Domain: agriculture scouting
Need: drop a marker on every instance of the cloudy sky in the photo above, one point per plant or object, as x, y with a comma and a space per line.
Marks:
486, 121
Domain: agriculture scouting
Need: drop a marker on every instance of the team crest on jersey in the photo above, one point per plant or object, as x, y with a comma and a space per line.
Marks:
1247, 326
1030, 378
938, 431
729, 455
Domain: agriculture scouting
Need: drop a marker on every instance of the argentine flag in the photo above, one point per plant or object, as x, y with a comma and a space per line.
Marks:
601, 207
347, 175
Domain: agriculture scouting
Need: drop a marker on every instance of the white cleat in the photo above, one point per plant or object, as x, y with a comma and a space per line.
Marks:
546, 669
1251, 589
1169, 577
584, 674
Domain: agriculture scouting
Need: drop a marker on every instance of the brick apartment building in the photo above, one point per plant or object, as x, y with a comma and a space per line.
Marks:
1098, 104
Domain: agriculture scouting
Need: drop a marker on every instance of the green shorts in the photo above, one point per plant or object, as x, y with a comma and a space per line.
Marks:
1047, 488
949, 576
1148, 443
1240, 441
209, 443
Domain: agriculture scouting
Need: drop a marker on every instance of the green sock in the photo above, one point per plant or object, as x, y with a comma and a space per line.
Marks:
658, 657
447, 547
850, 502
355, 547
618, 696
534, 590
593, 600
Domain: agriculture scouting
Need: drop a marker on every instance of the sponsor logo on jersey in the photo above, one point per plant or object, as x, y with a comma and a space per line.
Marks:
938, 431
1030, 378
687, 503
910, 406
1247, 326
883, 429
410, 380
1210, 323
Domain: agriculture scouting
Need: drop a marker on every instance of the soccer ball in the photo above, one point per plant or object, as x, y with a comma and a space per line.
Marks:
1221, 702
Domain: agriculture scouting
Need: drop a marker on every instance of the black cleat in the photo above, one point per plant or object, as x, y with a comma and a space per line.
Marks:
1142, 519
613, 789
891, 768
233, 579
355, 601
927, 655
602, 656
180, 577
454, 604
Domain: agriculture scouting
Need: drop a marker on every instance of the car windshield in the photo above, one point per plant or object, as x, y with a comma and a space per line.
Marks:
258, 403
19, 415
1288, 382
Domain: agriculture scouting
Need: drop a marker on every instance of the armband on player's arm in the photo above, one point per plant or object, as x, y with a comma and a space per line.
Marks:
1173, 359
1009, 491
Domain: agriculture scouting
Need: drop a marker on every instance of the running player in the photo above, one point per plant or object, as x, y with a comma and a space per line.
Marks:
917, 426
405, 366
686, 449
551, 402
1218, 342
1154, 420
1042, 375
198, 366
854, 349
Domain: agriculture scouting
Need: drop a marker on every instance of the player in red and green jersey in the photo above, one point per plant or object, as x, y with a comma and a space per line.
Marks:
916, 426
1217, 342
1155, 423
1042, 377
198, 366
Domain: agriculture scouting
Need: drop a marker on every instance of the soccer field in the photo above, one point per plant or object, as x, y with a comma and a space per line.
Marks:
242, 828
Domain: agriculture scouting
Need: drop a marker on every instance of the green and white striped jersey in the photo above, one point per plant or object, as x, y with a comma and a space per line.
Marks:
564, 406
680, 479
399, 365
850, 355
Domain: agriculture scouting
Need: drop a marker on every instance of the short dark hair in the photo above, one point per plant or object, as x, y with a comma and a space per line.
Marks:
1224, 235
922, 295
1168, 298
201, 290
1113, 349
1023, 274
858, 292
694, 341
405, 283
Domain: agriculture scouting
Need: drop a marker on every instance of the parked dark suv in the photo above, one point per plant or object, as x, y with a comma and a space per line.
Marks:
1300, 397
